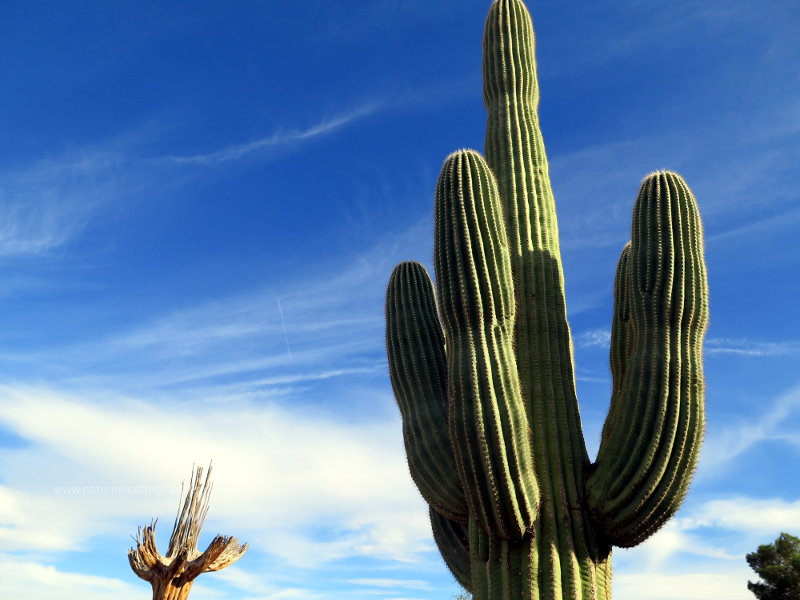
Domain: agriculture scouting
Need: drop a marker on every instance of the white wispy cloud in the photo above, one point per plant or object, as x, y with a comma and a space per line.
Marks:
32, 580
747, 347
264, 341
304, 487
367, 19
705, 546
594, 338
722, 529
775, 421
279, 139
601, 338
392, 583
595, 188
745, 515
675, 545
728, 585
783, 221
744, 184
45, 204
261, 582
282, 475
48, 202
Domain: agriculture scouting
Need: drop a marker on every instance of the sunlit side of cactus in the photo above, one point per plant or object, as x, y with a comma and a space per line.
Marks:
482, 365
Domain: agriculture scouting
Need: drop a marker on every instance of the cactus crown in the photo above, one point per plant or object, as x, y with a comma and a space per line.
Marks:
481, 365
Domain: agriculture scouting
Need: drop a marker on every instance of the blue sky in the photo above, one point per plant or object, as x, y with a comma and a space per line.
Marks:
200, 208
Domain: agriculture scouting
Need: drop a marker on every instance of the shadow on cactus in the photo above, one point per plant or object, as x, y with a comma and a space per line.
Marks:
482, 367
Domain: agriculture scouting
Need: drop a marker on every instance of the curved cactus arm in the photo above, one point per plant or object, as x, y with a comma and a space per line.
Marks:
620, 338
488, 425
145, 559
417, 367
620, 325
452, 540
224, 550
652, 436
231, 551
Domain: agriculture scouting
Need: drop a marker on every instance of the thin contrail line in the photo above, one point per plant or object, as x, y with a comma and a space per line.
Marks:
283, 325
276, 140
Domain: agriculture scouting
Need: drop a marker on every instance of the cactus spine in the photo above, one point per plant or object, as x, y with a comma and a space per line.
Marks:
482, 366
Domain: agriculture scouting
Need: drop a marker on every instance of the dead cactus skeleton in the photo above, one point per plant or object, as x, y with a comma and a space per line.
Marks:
171, 576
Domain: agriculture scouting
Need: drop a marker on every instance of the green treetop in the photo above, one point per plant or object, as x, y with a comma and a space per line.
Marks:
778, 566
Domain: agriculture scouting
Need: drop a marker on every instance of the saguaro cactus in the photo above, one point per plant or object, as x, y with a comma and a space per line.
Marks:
482, 367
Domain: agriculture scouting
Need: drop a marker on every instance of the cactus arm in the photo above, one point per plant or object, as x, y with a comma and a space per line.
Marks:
620, 325
652, 436
223, 551
452, 540
415, 349
488, 425
620, 350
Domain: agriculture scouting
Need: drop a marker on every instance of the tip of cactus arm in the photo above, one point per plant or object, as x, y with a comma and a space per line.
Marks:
408, 264
660, 172
501, 2
462, 152
407, 268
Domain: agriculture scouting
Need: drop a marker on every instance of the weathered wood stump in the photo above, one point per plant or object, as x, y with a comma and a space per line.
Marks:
172, 575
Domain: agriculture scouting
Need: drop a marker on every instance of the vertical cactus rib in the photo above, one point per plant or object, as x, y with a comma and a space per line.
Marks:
488, 426
653, 433
603, 580
506, 569
417, 368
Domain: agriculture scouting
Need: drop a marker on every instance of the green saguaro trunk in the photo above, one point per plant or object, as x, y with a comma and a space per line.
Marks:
482, 365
